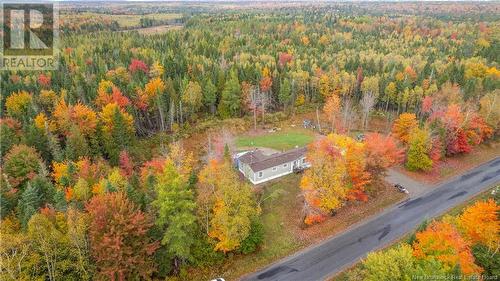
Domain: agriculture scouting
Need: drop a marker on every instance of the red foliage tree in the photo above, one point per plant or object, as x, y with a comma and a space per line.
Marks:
118, 237
284, 58
457, 142
126, 165
382, 152
44, 80
427, 104
266, 84
138, 65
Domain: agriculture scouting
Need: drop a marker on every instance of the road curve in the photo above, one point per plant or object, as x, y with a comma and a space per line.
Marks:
335, 254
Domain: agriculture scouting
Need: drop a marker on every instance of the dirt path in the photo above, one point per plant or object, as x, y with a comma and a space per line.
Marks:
414, 187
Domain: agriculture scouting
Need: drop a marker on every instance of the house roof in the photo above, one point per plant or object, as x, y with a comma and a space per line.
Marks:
258, 161
252, 156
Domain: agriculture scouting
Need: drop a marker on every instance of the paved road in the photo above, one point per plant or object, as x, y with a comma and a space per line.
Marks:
335, 254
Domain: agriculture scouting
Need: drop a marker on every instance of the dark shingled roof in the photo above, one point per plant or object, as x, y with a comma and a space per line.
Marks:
258, 161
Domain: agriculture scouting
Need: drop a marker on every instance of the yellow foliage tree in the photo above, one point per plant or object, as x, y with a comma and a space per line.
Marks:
226, 204
404, 125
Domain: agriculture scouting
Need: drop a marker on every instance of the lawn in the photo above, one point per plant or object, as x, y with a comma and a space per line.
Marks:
280, 140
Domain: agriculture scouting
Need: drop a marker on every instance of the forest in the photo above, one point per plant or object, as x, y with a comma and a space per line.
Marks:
96, 183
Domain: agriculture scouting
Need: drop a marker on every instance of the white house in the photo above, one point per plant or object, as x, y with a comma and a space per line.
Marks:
258, 167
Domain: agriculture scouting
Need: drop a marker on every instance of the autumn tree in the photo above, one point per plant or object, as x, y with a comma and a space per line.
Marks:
490, 108
382, 152
338, 173
480, 224
175, 207
192, 96
419, 148
404, 125
59, 260
20, 164
118, 234
331, 109
227, 205
19, 105
370, 91
16, 252
394, 264
441, 241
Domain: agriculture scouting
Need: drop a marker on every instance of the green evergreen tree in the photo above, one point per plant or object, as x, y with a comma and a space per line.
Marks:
76, 145
37, 138
210, 95
45, 188
60, 203
119, 139
9, 138
175, 206
28, 204
285, 93
230, 104
488, 259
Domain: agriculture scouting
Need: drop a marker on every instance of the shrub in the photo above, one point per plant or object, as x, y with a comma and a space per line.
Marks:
254, 239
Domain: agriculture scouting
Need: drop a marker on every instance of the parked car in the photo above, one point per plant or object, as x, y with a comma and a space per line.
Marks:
298, 170
218, 279
401, 188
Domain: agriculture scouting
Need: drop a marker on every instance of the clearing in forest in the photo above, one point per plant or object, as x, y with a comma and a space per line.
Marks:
280, 140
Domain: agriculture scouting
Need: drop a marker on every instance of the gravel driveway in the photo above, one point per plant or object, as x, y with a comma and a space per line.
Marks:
414, 187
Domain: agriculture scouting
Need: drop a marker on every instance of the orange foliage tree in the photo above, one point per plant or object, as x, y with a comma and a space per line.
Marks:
382, 152
480, 224
442, 241
118, 238
404, 125
338, 173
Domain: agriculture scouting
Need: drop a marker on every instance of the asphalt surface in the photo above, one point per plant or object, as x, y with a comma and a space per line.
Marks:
339, 252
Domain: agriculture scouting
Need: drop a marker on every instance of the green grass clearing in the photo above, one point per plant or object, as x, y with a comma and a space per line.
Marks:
281, 140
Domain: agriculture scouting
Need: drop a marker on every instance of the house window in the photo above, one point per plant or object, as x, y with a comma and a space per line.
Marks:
274, 168
285, 165
260, 174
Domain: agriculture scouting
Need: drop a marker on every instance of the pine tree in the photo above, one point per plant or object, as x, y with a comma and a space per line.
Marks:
285, 93
60, 203
28, 204
9, 138
210, 95
230, 104
76, 145
175, 206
